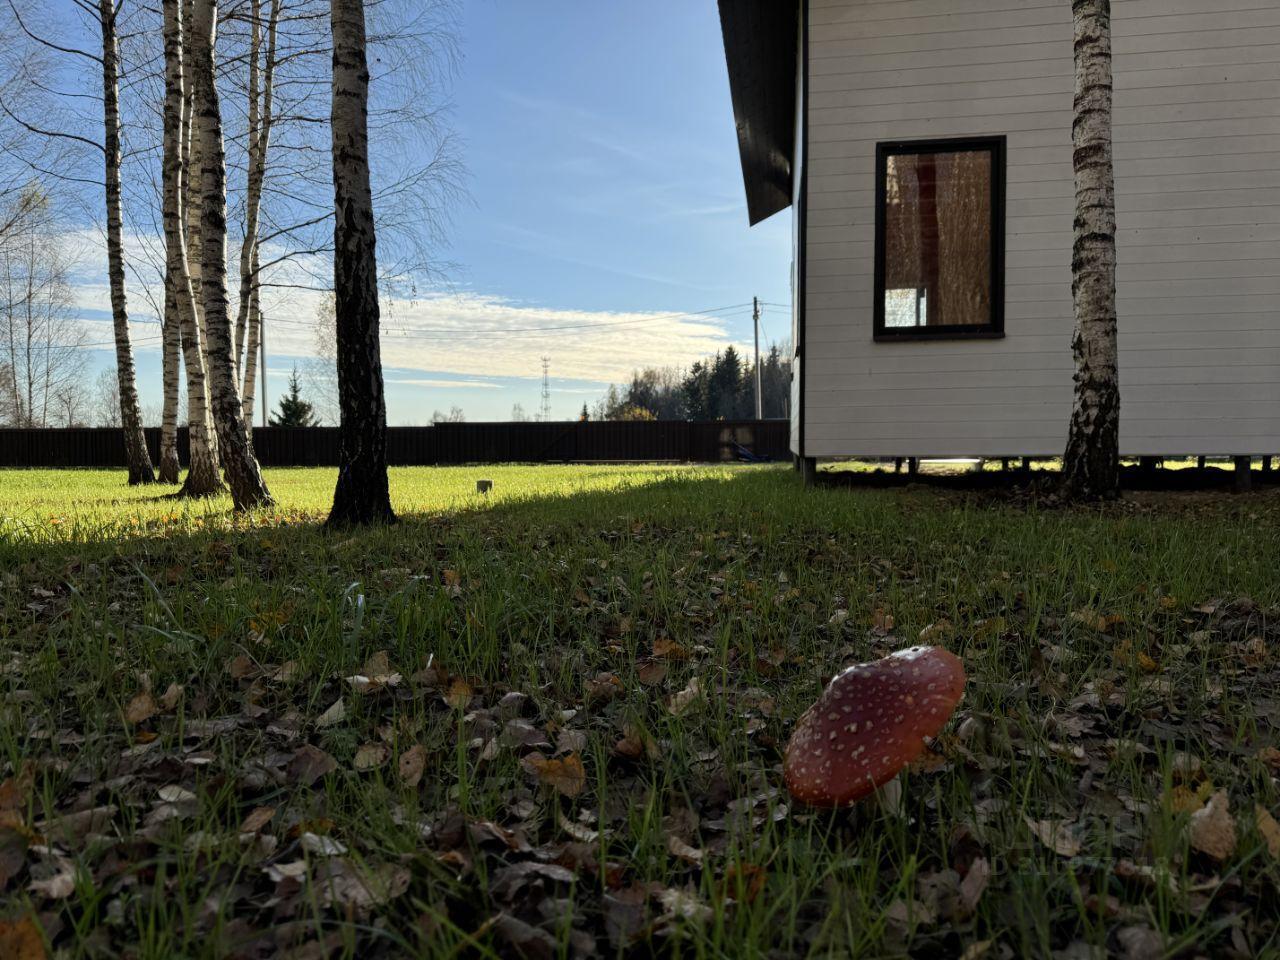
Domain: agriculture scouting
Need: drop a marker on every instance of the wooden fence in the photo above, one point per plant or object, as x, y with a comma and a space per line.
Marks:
718, 441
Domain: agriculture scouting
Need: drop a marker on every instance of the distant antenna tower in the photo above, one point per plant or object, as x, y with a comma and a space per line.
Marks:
546, 390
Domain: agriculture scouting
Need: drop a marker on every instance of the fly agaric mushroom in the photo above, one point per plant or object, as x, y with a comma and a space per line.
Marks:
870, 722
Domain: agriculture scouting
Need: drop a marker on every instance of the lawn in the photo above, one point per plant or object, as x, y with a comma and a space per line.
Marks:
549, 722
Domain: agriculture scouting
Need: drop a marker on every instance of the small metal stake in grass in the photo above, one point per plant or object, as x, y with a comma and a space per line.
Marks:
484, 486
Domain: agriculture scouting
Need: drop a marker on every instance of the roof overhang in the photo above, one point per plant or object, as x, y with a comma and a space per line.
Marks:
760, 45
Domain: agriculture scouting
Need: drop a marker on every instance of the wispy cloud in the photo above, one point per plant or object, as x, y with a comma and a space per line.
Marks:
471, 336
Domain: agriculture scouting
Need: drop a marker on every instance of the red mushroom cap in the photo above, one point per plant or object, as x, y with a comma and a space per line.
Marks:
870, 722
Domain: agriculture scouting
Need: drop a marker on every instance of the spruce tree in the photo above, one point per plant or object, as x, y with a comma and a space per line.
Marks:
294, 411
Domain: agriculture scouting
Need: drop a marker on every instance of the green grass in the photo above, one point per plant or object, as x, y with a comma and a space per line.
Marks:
599, 594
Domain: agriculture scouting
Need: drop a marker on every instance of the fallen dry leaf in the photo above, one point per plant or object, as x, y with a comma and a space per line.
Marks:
335, 714
241, 666
683, 851
685, 905
667, 649
1269, 829
682, 701
459, 694
258, 818
21, 940
370, 756
412, 764
1270, 757
309, 764
54, 878
346, 884
974, 884
1055, 834
566, 774
170, 698
1213, 829
141, 708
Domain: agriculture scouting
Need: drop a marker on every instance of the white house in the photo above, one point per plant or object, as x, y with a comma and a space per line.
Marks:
924, 147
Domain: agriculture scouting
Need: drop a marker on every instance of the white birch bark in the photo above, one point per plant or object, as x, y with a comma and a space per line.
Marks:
1091, 464
202, 475
261, 113
169, 469
361, 495
254, 344
135, 444
243, 475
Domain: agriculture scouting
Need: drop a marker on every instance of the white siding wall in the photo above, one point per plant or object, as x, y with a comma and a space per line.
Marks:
1197, 140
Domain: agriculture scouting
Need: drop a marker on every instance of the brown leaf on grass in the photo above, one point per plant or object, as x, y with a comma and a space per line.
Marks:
974, 884
241, 666
171, 697
15, 790
258, 818
603, 688
523, 939
21, 940
309, 764
683, 851
635, 743
1141, 943
72, 828
882, 621
566, 774
375, 675
14, 839
1055, 834
1212, 829
1268, 828
1270, 758
459, 693
412, 764
358, 887
651, 671
1098, 622
335, 714
370, 756
507, 882
141, 708
667, 649
935, 632
682, 701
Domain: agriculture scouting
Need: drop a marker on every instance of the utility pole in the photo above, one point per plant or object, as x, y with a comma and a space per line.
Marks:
547, 391
755, 316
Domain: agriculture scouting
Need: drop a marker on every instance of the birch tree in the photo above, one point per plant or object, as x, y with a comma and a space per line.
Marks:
248, 489
258, 136
135, 443
180, 307
1091, 465
362, 494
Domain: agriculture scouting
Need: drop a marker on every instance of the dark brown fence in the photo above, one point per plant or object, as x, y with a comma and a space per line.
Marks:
719, 441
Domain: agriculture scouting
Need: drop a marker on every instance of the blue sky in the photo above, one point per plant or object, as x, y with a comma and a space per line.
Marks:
604, 187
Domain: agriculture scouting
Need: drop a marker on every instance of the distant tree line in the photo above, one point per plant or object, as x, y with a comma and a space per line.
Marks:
721, 387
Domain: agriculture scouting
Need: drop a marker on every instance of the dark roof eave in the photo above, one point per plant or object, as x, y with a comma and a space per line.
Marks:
761, 49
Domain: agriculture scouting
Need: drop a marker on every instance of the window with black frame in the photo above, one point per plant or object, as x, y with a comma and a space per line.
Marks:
940, 239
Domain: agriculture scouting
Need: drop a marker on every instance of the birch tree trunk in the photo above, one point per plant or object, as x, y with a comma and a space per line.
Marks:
259, 136
1091, 465
361, 495
135, 443
243, 475
180, 306
169, 469
254, 344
